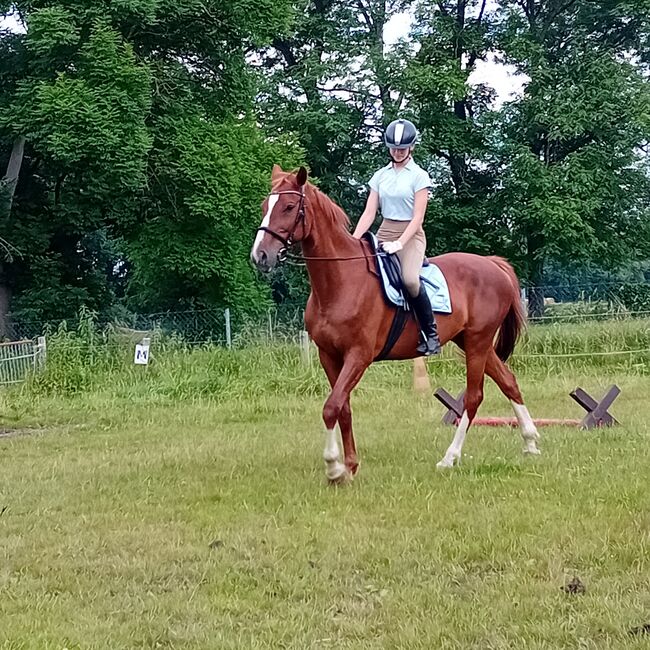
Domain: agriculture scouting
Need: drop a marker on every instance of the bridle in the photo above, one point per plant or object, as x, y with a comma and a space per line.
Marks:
287, 241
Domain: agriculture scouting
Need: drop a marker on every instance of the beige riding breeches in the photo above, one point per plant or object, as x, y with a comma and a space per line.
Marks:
411, 256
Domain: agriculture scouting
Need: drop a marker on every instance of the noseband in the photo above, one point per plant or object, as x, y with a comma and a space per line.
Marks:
287, 241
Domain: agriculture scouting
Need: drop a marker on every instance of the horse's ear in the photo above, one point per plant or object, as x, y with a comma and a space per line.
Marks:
277, 170
301, 176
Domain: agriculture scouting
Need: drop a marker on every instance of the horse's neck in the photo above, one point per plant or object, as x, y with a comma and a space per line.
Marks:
335, 243
327, 244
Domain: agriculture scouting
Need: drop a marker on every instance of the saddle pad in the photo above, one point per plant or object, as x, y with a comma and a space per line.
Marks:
430, 274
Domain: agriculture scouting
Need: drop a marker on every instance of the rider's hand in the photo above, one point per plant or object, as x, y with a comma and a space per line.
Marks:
392, 247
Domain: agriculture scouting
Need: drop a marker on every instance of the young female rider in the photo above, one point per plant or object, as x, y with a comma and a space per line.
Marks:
401, 191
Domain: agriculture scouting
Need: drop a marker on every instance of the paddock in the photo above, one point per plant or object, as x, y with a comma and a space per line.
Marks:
183, 505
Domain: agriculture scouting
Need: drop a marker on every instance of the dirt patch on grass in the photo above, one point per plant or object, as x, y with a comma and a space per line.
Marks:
15, 433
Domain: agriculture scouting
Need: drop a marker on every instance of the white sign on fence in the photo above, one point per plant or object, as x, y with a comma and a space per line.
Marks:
142, 353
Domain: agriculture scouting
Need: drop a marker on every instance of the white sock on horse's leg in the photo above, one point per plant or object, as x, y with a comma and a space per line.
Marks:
335, 469
528, 429
452, 457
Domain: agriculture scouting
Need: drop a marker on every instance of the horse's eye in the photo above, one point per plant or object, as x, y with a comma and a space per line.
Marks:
289, 207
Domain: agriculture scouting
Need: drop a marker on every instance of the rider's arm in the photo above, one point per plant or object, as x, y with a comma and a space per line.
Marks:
368, 215
419, 208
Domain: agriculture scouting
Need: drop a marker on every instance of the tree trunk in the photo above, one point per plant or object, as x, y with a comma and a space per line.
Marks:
6, 330
458, 161
7, 190
535, 302
10, 180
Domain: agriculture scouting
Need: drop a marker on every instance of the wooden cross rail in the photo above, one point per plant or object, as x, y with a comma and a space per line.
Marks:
456, 405
597, 415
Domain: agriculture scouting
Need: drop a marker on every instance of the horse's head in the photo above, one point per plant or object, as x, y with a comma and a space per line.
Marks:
284, 218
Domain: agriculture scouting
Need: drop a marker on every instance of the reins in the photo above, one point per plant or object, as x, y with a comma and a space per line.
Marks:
290, 258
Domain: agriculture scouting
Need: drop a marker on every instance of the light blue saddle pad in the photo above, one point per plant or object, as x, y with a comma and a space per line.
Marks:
433, 279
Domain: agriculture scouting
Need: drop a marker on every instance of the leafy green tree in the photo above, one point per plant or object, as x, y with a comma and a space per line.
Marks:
575, 183
83, 121
329, 80
457, 122
101, 93
191, 245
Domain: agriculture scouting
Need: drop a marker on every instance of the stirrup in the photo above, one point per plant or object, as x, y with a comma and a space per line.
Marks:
430, 346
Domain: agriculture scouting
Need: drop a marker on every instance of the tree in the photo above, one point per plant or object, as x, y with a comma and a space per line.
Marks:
191, 244
82, 118
456, 120
329, 80
93, 87
575, 185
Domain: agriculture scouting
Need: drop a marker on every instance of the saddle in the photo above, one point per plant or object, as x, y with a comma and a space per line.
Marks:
389, 270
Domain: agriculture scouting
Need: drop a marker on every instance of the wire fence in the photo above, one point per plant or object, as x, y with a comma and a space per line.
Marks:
283, 323
587, 302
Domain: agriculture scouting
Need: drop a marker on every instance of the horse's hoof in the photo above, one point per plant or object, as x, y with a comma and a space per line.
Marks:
448, 463
353, 469
344, 478
338, 474
532, 451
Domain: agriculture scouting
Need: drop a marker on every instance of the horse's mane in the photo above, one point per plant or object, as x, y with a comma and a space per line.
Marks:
329, 209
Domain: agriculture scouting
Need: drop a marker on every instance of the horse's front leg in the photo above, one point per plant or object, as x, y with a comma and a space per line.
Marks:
349, 447
343, 376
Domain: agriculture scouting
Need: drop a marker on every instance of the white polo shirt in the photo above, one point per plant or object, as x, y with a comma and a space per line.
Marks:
397, 188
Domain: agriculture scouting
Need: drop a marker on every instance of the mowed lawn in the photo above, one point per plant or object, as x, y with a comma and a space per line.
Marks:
131, 521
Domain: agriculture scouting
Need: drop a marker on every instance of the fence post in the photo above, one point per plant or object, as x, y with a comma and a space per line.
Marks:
41, 352
228, 331
420, 376
305, 347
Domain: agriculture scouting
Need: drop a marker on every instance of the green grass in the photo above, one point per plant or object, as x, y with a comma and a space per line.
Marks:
185, 506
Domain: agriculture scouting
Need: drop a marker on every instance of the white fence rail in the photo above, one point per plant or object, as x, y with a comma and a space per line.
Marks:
19, 358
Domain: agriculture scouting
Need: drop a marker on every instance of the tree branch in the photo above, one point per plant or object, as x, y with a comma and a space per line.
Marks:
366, 16
285, 49
524, 5
442, 154
471, 60
480, 13
556, 13
351, 91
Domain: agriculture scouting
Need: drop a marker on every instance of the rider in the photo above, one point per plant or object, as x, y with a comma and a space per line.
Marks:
401, 189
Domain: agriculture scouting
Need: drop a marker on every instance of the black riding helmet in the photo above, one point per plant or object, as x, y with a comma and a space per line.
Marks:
401, 134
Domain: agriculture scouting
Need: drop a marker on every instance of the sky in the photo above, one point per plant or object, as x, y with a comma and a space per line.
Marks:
502, 78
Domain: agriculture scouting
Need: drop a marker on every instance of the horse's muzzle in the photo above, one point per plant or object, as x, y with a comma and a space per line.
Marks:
262, 261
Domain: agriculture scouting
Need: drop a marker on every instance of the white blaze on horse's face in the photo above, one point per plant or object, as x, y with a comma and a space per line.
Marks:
255, 253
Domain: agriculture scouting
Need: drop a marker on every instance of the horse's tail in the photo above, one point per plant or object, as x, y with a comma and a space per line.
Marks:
515, 320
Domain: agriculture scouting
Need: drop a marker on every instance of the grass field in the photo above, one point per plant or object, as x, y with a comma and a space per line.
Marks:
184, 506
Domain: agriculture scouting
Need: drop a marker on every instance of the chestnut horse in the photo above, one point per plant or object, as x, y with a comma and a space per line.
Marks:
348, 318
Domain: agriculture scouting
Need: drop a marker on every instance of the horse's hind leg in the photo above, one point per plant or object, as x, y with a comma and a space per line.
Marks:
475, 362
506, 381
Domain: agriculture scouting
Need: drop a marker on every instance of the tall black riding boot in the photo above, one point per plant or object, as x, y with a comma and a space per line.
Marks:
424, 314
